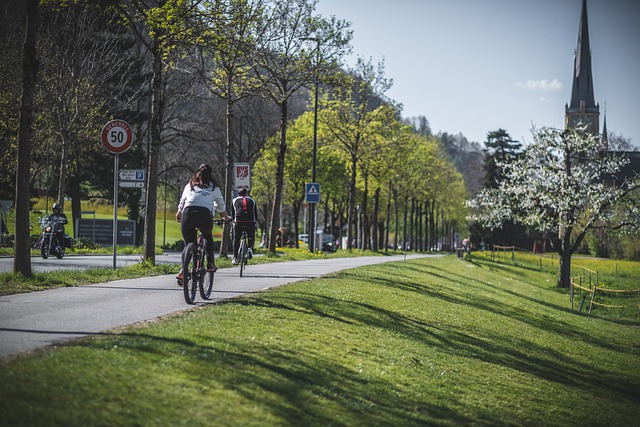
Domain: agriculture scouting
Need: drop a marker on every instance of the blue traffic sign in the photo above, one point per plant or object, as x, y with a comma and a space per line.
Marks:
313, 192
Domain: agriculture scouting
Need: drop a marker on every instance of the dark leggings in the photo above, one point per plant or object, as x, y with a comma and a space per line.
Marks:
238, 227
197, 217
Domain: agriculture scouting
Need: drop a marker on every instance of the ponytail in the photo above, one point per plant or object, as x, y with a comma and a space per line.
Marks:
202, 177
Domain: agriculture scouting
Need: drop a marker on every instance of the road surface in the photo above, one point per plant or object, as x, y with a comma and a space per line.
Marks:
39, 319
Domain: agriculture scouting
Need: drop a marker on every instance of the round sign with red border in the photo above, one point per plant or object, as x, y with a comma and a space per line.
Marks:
117, 136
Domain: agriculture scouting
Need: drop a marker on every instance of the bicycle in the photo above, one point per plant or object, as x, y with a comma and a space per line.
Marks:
242, 251
195, 274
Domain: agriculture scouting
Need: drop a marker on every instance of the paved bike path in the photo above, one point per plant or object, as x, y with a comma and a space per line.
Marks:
39, 319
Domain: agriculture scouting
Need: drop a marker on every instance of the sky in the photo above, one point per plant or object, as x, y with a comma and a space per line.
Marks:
474, 66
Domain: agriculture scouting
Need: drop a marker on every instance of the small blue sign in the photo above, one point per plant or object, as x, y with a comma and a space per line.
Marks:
313, 192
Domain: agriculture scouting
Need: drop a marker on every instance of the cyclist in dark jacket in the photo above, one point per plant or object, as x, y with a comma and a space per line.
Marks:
245, 214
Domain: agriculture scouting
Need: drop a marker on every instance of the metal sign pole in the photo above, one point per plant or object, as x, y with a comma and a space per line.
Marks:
115, 207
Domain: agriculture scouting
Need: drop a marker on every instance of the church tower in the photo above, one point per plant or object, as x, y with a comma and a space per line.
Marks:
583, 108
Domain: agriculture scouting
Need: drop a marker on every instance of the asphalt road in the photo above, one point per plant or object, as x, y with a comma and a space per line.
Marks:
39, 319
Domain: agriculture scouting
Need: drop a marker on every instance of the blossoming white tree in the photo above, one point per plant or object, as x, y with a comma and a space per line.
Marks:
563, 185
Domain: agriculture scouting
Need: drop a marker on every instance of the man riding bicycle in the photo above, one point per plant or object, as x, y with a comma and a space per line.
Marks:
245, 215
200, 200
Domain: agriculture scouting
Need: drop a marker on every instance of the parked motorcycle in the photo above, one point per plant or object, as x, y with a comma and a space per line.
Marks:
53, 239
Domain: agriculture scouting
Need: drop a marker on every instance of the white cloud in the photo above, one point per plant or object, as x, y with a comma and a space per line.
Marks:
543, 85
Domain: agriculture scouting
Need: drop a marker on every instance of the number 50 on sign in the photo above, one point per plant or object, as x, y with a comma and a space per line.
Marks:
117, 136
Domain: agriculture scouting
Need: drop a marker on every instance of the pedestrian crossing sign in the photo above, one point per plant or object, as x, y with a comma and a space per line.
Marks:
313, 192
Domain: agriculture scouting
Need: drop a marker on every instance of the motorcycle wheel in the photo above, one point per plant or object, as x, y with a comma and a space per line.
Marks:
44, 248
59, 252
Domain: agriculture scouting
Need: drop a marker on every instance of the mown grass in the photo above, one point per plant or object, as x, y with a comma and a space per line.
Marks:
424, 342
588, 272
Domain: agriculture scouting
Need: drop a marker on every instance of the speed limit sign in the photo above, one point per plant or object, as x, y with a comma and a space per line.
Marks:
117, 136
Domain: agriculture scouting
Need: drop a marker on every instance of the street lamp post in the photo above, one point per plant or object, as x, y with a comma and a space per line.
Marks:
241, 133
312, 206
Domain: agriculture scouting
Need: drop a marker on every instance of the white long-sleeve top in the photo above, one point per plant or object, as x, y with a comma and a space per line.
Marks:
208, 197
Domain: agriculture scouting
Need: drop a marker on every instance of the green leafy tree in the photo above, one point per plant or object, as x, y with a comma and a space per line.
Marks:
11, 46
84, 68
301, 46
232, 34
162, 27
500, 149
353, 118
562, 185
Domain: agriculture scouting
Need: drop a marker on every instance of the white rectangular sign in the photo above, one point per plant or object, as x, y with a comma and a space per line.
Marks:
131, 174
131, 184
242, 174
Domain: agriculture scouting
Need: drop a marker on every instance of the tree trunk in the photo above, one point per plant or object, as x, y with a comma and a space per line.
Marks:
364, 231
564, 251
22, 244
388, 221
352, 201
404, 224
397, 216
565, 270
296, 217
277, 197
419, 239
153, 156
228, 187
374, 221
76, 206
62, 177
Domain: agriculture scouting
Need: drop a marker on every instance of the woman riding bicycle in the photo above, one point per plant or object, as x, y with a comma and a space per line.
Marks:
200, 200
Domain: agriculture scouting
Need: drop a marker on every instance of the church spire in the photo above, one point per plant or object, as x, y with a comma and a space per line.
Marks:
583, 107
605, 136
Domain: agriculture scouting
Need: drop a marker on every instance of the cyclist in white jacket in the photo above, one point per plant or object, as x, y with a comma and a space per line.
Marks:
200, 200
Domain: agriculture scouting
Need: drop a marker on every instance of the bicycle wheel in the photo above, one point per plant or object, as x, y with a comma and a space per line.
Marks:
242, 253
189, 269
206, 283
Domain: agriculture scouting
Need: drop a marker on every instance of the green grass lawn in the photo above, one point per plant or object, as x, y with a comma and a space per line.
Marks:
168, 232
424, 342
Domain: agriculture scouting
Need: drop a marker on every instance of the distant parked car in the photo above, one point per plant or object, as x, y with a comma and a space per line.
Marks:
329, 243
304, 238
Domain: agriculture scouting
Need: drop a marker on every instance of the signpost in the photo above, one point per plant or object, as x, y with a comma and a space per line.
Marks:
242, 173
312, 196
313, 192
117, 137
131, 184
131, 174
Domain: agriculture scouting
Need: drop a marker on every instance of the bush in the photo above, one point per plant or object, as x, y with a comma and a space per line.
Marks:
176, 246
84, 243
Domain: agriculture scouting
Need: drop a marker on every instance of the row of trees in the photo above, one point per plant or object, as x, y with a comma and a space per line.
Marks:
182, 72
368, 158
